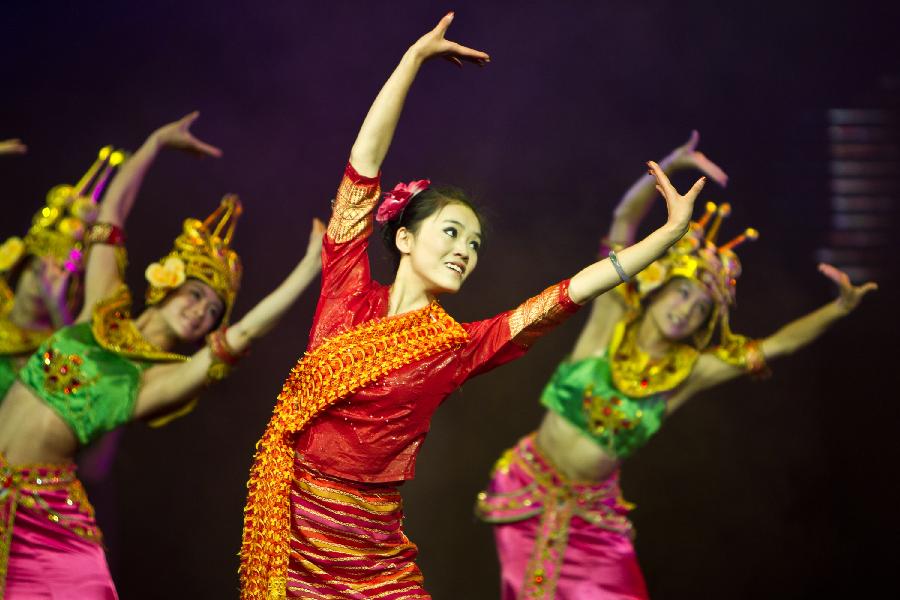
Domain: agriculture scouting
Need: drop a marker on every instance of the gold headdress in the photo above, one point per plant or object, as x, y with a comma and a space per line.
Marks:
203, 252
696, 256
57, 229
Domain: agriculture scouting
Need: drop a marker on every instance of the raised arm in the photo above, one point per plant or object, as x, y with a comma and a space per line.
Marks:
13, 146
806, 329
378, 128
602, 276
636, 202
102, 272
165, 387
711, 370
607, 309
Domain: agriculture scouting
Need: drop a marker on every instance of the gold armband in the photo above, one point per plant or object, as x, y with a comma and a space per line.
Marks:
224, 357
744, 353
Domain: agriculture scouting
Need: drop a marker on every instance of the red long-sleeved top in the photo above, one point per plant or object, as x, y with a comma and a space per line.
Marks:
374, 434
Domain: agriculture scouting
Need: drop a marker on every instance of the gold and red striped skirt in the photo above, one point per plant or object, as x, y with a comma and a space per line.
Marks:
347, 541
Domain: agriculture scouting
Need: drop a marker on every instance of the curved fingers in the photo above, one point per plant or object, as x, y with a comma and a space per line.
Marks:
201, 147
662, 180
691, 144
834, 274
710, 168
695, 189
444, 24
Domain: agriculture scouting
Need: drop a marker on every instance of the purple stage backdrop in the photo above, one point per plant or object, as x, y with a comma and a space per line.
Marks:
784, 489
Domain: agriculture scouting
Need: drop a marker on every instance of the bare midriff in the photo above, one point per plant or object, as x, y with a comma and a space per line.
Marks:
31, 432
574, 454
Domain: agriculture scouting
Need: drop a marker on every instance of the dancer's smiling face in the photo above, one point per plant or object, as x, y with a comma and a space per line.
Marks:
192, 310
443, 248
680, 308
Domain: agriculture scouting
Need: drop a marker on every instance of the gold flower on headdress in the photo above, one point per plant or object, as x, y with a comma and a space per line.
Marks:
652, 277
10, 252
168, 275
204, 252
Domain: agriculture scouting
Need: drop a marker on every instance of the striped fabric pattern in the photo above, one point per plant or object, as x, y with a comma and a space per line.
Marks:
347, 541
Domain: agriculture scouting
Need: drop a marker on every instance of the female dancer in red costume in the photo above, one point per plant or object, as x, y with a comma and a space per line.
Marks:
323, 515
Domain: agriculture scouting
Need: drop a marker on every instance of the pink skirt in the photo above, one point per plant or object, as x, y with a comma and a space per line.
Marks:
50, 546
559, 539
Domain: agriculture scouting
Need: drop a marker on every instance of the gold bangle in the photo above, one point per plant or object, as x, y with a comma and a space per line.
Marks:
224, 357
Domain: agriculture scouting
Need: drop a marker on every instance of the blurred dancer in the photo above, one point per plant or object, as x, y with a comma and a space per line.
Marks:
108, 369
561, 525
41, 276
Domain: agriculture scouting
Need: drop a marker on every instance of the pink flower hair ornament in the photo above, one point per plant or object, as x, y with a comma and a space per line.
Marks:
396, 200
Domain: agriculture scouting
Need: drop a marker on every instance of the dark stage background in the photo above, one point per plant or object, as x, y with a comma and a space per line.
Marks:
782, 489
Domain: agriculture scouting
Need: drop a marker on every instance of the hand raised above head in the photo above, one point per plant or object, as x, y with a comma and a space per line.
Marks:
850, 295
687, 156
178, 135
13, 146
680, 208
434, 44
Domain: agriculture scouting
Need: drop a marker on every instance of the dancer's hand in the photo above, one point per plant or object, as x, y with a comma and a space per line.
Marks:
13, 146
850, 295
687, 156
434, 44
314, 247
680, 208
178, 135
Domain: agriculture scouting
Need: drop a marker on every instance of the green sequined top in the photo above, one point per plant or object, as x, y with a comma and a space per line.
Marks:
583, 393
7, 375
91, 388
90, 373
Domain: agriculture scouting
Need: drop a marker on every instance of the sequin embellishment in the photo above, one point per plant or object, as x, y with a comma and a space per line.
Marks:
341, 365
62, 373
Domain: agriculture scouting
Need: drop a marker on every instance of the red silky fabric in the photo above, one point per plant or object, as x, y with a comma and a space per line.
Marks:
375, 434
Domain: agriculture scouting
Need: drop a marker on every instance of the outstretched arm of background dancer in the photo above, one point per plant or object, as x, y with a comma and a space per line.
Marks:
260, 320
13, 146
806, 329
165, 387
636, 202
377, 131
102, 272
607, 309
711, 371
602, 276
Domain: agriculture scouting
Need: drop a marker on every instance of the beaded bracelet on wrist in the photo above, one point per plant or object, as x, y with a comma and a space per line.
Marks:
105, 233
224, 357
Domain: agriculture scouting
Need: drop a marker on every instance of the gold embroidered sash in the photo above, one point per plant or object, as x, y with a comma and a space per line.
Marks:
340, 366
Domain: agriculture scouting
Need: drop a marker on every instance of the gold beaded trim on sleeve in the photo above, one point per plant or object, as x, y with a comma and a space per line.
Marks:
351, 214
531, 319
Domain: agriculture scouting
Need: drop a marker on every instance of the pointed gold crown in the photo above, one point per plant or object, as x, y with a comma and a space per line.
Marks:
57, 229
696, 256
202, 251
